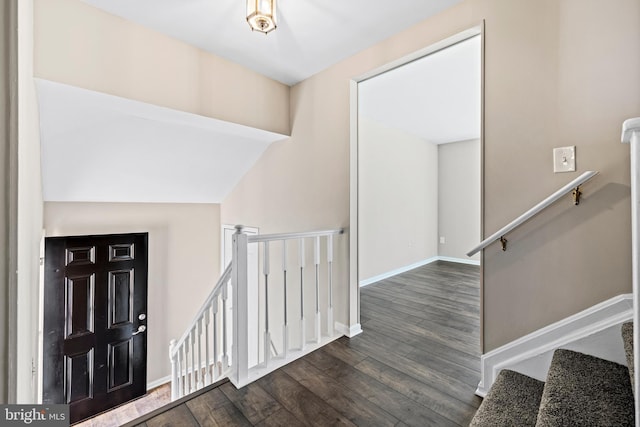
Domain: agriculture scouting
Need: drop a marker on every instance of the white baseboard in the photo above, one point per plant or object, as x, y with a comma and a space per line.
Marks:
459, 260
397, 271
157, 383
347, 331
409, 267
588, 331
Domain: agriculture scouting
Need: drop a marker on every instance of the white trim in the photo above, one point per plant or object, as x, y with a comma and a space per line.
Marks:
433, 48
404, 269
258, 238
631, 135
459, 260
157, 383
348, 332
354, 285
595, 319
397, 271
354, 289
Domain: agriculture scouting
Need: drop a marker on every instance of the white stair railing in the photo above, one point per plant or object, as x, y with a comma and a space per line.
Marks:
200, 357
312, 285
207, 353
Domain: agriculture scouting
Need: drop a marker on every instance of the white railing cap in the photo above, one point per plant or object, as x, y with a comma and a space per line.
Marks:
288, 236
629, 127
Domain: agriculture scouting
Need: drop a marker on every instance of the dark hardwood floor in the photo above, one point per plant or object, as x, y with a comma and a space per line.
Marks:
416, 364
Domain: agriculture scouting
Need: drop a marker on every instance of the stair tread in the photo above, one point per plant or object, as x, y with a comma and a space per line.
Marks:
586, 391
627, 339
513, 400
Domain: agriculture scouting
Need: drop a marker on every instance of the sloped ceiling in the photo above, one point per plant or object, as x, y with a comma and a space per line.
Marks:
102, 148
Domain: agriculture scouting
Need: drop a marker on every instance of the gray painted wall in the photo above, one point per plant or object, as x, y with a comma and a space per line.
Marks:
459, 198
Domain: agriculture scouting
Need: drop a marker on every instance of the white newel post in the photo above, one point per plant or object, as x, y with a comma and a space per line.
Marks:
174, 371
240, 297
631, 135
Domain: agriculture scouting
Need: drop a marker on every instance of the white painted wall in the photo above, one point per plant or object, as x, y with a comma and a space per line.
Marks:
83, 46
398, 205
459, 199
184, 259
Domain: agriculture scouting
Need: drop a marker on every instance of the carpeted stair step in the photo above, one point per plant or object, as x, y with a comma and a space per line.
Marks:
627, 339
583, 390
513, 400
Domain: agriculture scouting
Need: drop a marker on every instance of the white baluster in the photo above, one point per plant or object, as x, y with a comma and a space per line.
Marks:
302, 322
187, 374
240, 308
225, 353
207, 361
194, 375
214, 377
285, 327
316, 255
330, 326
267, 334
180, 372
199, 367
174, 371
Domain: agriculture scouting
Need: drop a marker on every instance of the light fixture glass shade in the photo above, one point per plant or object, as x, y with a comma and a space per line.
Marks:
261, 15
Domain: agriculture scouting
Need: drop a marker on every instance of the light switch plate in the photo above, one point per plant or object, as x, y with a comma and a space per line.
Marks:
564, 159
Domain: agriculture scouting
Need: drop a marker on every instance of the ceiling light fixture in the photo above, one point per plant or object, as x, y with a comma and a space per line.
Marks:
261, 15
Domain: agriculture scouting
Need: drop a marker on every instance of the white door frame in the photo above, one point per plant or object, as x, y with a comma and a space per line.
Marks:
354, 287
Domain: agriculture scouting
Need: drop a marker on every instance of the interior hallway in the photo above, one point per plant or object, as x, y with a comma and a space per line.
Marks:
416, 363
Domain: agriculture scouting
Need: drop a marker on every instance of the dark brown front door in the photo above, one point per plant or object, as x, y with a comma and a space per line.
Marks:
95, 305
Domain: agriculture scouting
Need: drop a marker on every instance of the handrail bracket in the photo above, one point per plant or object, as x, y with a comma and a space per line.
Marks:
503, 241
573, 187
576, 195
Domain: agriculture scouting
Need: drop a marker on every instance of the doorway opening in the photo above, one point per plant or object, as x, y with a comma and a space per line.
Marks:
416, 164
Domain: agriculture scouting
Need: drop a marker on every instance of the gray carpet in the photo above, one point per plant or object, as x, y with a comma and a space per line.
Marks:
512, 401
583, 390
627, 339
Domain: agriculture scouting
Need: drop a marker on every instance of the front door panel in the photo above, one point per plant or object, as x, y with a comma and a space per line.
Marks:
95, 321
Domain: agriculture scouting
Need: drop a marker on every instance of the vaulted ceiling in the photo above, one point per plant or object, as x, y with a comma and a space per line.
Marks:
311, 35
172, 156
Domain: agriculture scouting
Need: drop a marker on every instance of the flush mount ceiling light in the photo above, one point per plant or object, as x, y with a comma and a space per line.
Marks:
261, 15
